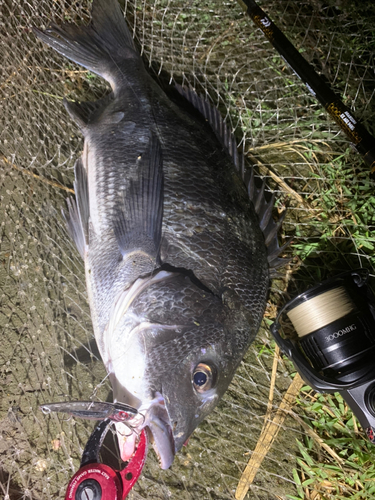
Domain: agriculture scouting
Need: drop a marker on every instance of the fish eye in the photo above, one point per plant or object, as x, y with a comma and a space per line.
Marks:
203, 377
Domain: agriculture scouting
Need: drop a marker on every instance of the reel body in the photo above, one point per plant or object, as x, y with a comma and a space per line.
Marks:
335, 346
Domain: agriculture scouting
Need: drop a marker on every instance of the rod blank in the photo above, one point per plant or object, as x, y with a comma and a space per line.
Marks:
357, 134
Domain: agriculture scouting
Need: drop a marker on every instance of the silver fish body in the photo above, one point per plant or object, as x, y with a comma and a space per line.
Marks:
176, 262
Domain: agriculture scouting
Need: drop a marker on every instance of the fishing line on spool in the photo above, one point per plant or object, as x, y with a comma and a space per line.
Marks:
320, 311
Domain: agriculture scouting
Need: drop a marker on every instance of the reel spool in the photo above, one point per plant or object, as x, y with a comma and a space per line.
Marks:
335, 345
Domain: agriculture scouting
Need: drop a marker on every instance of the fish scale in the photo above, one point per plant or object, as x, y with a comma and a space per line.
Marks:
176, 263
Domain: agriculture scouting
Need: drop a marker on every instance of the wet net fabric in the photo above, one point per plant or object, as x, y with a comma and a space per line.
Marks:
47, 351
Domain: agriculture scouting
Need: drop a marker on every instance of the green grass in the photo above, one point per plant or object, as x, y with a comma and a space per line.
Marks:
318, 475
338, 237
332, 232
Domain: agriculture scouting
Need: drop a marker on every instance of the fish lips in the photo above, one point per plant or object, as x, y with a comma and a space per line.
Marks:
170, 420
175, 417
152, 415
158, 423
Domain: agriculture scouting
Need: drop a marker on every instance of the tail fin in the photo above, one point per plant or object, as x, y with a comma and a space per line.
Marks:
100, 46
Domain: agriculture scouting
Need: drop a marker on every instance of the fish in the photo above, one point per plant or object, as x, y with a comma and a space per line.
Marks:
176, 238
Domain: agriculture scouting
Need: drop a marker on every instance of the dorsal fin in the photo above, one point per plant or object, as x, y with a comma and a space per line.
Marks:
216, 121
262, 207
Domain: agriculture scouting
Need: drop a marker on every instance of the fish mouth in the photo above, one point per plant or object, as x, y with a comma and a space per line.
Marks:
154, 417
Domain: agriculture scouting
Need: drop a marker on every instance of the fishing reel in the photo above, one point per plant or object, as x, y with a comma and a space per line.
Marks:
332, 341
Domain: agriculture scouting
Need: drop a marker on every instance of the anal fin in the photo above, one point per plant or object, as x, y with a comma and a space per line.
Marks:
83, 112
73, 225
77, 219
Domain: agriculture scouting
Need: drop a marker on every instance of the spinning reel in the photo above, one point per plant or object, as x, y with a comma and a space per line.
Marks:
334, 346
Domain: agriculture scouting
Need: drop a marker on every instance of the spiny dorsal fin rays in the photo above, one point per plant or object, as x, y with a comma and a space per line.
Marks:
212, 115
269, 227
267, 213
260, 199
256, 195
272, 228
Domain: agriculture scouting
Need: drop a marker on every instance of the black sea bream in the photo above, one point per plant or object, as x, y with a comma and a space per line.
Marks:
176, 248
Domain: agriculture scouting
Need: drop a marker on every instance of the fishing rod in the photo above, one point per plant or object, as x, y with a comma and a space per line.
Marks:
363, 141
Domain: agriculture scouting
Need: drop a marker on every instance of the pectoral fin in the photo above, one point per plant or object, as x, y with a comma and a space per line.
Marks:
139, 221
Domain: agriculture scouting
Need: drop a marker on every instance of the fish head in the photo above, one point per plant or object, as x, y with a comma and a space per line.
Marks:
179, 359
192, 372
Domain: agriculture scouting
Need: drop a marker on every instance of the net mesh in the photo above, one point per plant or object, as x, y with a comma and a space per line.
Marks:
47, 349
